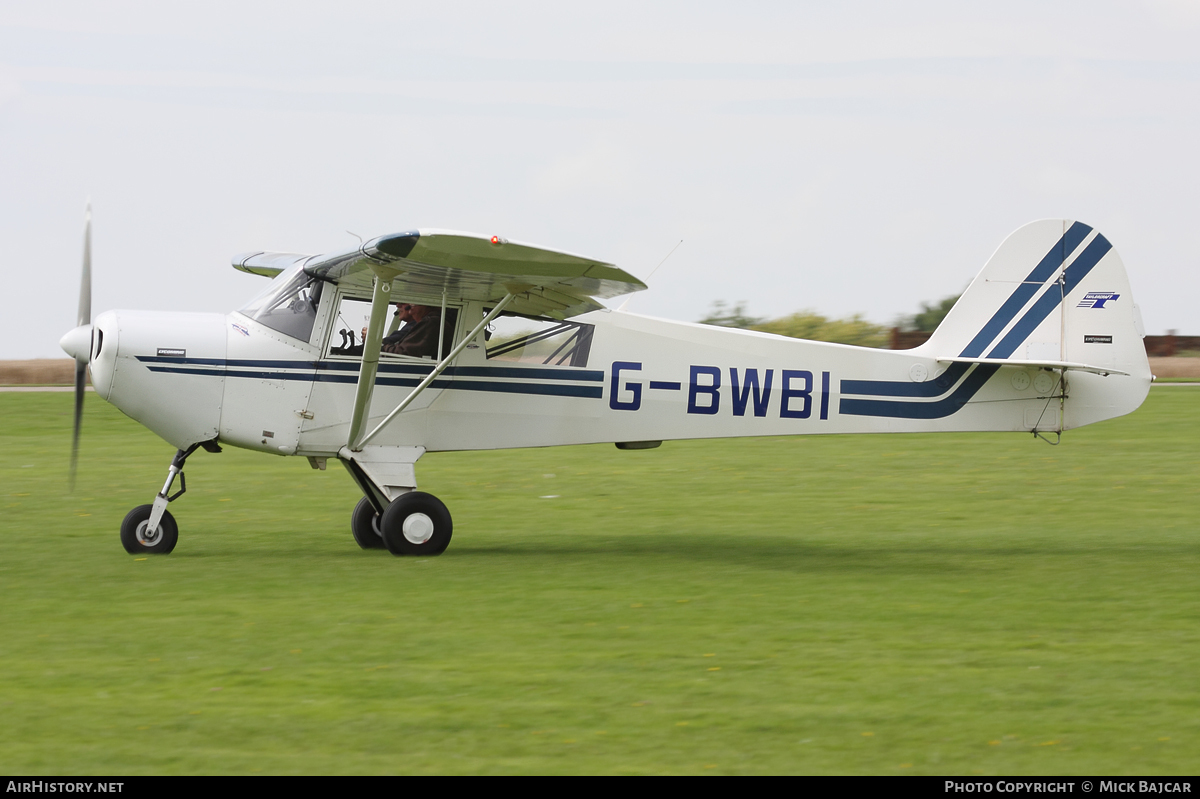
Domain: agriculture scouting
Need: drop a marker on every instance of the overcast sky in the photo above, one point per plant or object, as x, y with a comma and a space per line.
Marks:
848, 158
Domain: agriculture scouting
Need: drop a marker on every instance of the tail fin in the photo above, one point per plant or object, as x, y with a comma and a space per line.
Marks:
1054, 295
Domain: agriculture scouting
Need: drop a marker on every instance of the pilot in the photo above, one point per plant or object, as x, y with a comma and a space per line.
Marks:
399, 316
419, 336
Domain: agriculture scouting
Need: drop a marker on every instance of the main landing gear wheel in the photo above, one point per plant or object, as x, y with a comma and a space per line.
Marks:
364, 523
416, 524
138, 540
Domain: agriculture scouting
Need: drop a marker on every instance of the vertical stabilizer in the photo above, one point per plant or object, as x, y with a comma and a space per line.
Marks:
1055, 292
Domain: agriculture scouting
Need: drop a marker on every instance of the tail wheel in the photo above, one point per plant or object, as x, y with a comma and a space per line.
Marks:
364, 523
138, 539
417, 524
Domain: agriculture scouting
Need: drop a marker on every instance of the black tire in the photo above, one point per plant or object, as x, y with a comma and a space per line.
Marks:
364, 523
165, 539
410, 507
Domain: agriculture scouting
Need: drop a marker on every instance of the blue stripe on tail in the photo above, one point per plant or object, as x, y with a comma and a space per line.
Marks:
1045, 305
1040, 274
1076, 272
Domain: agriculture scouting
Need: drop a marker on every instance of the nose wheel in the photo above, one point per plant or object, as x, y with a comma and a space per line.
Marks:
139, 539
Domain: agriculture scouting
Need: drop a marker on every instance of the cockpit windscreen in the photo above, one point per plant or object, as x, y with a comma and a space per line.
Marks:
289, 304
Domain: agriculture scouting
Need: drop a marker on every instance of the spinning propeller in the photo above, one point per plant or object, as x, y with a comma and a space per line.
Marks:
78, 342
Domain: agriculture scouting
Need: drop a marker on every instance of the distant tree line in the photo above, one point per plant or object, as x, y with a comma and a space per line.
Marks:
930, 316
816, 327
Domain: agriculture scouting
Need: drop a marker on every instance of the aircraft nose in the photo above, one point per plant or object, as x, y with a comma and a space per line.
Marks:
78, 343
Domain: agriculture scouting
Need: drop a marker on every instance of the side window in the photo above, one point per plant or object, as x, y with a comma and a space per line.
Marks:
349, 327
540, 341
412, 329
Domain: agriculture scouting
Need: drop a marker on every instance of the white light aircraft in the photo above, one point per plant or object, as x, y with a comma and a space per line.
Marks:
507, 345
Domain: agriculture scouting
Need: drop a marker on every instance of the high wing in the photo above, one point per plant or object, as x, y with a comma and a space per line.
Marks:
512, 276
465, 266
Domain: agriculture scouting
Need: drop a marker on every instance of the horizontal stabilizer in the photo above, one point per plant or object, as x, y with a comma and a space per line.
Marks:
1081, 367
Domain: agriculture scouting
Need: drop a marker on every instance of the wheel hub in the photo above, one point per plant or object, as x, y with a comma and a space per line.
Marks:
147, 538
417, 528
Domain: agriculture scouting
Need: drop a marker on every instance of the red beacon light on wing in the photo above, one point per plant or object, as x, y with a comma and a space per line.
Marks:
497, 240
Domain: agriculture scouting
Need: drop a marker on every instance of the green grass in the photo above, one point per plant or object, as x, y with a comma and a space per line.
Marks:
859, 604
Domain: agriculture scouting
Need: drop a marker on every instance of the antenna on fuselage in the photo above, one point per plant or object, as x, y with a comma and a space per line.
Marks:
652, 271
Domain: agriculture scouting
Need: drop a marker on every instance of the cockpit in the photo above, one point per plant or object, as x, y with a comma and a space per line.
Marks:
413, 328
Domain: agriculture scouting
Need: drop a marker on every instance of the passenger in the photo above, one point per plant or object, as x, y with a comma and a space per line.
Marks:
419, 336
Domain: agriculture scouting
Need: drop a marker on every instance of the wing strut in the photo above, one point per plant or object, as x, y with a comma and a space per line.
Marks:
437, 370
370, 360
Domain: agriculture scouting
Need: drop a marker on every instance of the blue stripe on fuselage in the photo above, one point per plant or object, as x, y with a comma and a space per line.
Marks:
310, 372
889, 388
922, 410
511, 372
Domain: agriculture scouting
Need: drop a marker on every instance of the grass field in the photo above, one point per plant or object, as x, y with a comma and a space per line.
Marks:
889, 604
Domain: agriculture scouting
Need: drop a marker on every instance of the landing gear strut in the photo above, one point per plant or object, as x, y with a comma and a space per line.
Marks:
151, 529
